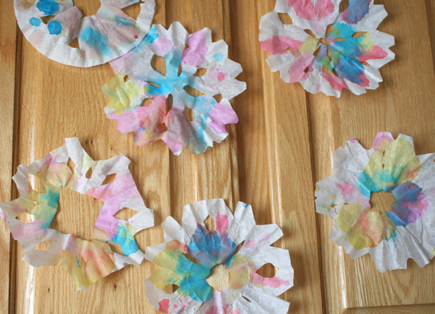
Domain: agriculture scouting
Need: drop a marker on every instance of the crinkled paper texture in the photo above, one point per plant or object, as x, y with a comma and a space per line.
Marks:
210, 249
393, 235
184, 54
65, 249
333, 60
105, 36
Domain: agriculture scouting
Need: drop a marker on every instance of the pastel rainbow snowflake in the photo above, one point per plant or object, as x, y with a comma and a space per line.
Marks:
86, 261
184, 55
390, 235
325, 50
191, 251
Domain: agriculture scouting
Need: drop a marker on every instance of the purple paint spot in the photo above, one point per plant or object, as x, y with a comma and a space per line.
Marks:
297, 69
221, 115
356, 11
410, 204
194, 55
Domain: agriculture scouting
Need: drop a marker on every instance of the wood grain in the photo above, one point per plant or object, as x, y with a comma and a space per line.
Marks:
8, 68
283, 144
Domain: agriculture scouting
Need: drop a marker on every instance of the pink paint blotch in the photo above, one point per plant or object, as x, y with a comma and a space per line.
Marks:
221, 115
194, 55
381, 141
164, 306
218, 75
280, 45
274, 282
375, 52
303, 8
297, 68
345, 188
337, 83
162, 45
221, 223
324, 8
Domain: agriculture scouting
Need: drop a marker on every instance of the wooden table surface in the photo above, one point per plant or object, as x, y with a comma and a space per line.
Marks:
282, 145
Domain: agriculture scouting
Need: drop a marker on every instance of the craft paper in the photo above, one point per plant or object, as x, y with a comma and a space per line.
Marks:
392, 236
98, 260
184, 54
107, 35
194, 295
347, 54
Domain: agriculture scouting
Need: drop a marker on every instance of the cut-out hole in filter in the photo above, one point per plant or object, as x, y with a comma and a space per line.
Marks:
76, 214
158, 63
44, 245
25, 217
192, 91
381, 201
343, 5
210, 224
267, 271
109, 179
132, 10
36, 183
188, 113
169, 102
147, 101
125, 213
200, 72
116, 248
88, 8
218, 97
285, 18
89, 173
74, 43
218, 278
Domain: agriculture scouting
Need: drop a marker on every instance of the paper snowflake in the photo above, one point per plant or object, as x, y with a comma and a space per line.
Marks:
247, 291
86, 261
390, 235
327, 50
107, 35
184, 54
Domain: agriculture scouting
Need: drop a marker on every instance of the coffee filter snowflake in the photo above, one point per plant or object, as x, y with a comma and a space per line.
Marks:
107, 35
390, 235
328, 59
194, 294
184, 54
86, 261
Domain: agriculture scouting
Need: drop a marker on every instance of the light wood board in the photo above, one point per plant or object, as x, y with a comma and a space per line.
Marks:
282, 145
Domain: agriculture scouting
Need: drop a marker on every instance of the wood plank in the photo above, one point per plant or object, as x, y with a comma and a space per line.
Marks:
8, 81
289, 148
73, 98
402, 104
282, 145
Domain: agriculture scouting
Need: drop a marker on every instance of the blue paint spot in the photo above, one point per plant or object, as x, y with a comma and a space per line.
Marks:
211, 249
152, 35
218, 56
96, 40
194, 282
54, 27
126, 241
35, 21
356, 11
49, 7
123, 21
